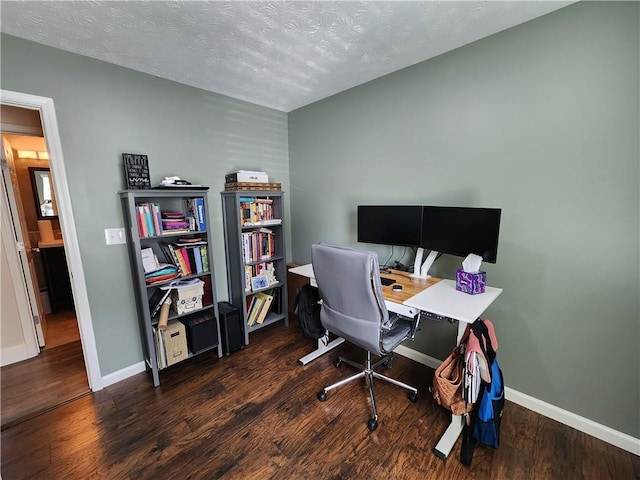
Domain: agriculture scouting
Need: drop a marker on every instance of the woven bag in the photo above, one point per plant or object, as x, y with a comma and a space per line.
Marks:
449, 379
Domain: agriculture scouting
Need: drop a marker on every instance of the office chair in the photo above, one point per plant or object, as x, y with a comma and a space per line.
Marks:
353, 307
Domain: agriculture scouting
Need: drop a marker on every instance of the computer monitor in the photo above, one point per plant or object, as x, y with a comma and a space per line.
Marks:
461, 230
399, 225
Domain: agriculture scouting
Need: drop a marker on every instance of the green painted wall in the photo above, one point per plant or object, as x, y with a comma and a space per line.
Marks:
104, 110
541, 120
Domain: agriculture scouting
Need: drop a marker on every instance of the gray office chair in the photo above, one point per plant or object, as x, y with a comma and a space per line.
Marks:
353, 307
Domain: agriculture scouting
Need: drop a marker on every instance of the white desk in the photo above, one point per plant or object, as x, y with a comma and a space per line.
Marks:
443, 299
438, 297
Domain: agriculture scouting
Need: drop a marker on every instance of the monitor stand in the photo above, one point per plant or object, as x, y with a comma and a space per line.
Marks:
421, 270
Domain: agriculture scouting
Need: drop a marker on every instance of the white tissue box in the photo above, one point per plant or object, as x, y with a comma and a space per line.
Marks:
471, 283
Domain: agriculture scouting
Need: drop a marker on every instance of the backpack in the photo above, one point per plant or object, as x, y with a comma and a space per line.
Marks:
307, 307
486, 428
484, 424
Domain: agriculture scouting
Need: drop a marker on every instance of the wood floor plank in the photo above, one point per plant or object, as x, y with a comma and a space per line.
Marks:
255, 415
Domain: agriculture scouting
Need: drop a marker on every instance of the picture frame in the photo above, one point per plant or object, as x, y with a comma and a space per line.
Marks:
259, 282
136, 169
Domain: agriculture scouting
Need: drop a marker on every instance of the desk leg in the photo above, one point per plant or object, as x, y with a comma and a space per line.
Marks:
324, 345
448, 440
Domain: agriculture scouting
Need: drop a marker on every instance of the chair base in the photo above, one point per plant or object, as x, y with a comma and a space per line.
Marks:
367, 371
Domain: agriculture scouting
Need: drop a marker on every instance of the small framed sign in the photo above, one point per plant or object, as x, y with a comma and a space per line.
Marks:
136, 169
261, 281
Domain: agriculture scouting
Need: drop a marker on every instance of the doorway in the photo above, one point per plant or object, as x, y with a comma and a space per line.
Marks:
57, 373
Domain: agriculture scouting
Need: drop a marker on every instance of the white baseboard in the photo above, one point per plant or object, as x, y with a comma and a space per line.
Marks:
14, 354
123, 374
602, 432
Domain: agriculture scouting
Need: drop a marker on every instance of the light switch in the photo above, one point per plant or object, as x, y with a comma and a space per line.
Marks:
114, 236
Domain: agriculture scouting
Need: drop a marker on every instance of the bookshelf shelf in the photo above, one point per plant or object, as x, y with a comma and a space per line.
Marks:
146, 212
255, 247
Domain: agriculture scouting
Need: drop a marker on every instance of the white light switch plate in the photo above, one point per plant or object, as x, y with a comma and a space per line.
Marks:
114, 236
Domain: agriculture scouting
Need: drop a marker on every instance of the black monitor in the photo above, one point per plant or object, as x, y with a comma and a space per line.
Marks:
390, 224
460, 231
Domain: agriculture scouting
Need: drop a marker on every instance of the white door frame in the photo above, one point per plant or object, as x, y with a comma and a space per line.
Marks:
68, 226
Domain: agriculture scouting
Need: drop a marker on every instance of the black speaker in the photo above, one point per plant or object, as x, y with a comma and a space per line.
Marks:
230, 328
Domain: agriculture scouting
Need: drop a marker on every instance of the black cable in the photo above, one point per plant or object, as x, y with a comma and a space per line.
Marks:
388, 259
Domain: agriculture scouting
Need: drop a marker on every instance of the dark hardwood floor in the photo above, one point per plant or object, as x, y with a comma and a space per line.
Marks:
254, 415
57, 375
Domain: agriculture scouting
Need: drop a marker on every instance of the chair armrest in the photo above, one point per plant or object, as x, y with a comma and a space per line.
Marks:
388, 325
393, 318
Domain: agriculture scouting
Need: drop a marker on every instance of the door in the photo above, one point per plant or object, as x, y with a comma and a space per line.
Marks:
23, 244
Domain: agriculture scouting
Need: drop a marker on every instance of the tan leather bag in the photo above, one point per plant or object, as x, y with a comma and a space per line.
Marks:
448, 380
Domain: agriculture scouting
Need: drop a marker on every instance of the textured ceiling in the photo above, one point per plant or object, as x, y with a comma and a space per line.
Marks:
282, 55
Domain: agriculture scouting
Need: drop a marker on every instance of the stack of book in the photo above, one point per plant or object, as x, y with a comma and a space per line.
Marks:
174, 222
249, 180
258, 307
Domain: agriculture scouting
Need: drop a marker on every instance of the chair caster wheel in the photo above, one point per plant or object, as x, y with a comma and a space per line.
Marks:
337, 363
389, 362
372, 424
413, 397
322, 396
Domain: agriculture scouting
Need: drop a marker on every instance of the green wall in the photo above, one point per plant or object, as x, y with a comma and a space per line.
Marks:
104, 110
541, 120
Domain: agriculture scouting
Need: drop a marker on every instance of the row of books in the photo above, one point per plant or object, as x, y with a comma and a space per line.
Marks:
190, 259
258, 245
257, 211
161, 353
153, 222
148, 216
258, 307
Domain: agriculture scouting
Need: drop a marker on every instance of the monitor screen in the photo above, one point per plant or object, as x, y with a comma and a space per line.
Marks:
390, 224
460, 231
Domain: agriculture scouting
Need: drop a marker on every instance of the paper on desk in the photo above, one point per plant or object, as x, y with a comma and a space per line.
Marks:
472, 263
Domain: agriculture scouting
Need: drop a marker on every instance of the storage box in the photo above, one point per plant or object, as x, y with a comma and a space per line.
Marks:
471, 283
202, 331
175, 343
187, 299
246, 176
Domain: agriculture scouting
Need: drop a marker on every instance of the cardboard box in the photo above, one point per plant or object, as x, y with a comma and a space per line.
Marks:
175, 343
187, 299
202, 331
246, 176
471, 283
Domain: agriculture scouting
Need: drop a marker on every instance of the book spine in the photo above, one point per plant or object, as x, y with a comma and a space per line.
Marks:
192, 259
204, 252
200, 218
149, 219
157, 218
197, 257
182, 254
142, 222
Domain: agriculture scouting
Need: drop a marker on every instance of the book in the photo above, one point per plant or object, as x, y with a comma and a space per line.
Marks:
149, 260
192, 259
265, 306
205, 258
201, 225
251, 305
197, 257
183, 258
